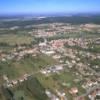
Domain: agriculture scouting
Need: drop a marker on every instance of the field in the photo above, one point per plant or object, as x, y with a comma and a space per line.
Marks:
14, 69
55, 82
81, 34
13, 39
30, 89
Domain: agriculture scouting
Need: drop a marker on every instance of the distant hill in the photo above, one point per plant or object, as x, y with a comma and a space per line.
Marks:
23, 21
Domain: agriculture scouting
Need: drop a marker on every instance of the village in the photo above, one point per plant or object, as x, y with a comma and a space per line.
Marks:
69, 59
49, 49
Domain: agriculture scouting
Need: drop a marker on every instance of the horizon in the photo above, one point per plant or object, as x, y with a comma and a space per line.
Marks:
49, 7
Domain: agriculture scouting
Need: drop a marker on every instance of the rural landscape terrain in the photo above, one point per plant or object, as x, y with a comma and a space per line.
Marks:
50, 58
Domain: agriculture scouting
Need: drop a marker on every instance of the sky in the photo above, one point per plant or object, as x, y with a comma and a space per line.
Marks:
49, 6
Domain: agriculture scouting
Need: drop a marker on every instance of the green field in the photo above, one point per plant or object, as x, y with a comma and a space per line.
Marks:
15, 39
54, 82
30, 89
16, 69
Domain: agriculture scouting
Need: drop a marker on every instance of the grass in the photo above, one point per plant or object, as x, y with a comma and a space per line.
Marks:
30, 89
16, 69
13, 39
7, 69
80, 34
48, 82
19, 94
68, 78
22, 93
55, 81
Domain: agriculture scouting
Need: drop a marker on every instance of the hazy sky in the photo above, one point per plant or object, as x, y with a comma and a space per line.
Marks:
49, 6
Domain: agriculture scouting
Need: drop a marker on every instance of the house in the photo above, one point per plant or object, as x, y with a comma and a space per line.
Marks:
48, 52
58, 67
48, 93
56, 56
43, 71
73, 90
73, 61
61, 95
92, 95
9, 85
51, 95
21, 80
14, 82
5, 78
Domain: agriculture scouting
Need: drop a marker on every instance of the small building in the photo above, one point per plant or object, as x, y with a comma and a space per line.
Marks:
73, 90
